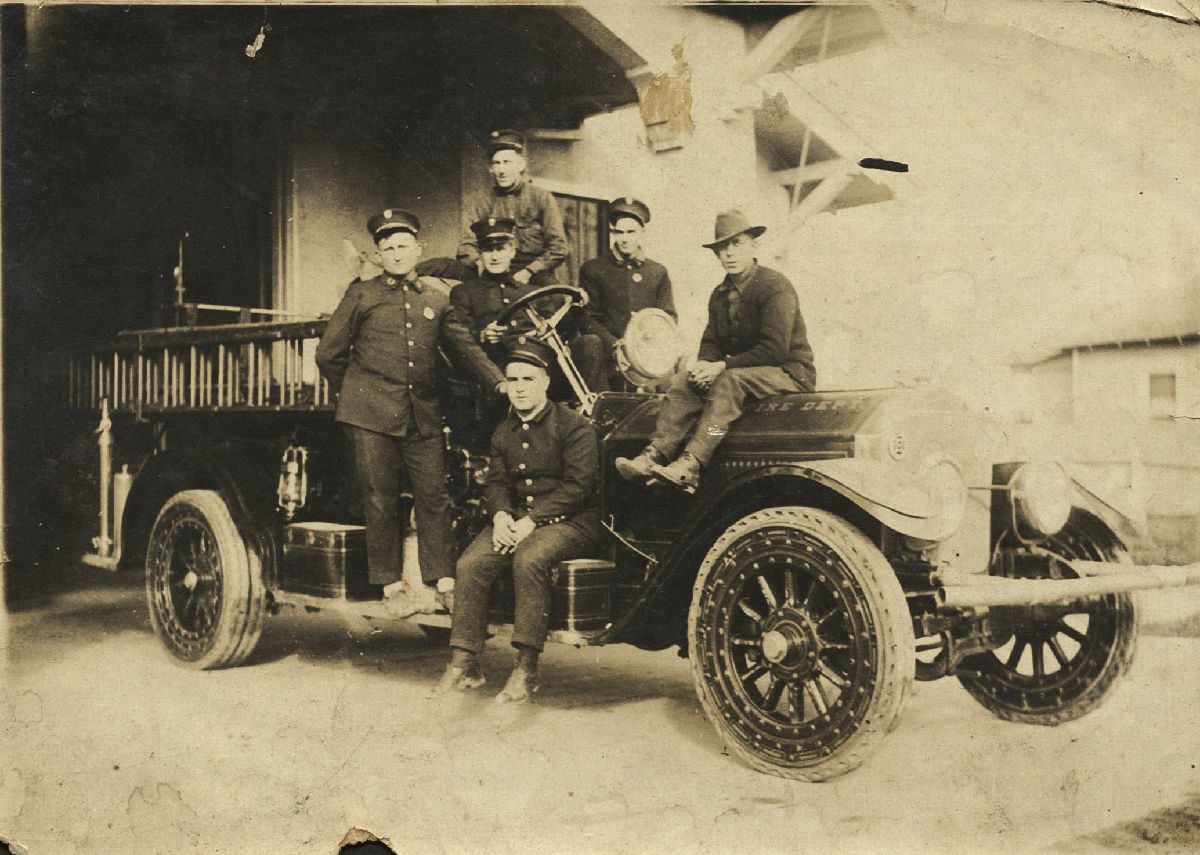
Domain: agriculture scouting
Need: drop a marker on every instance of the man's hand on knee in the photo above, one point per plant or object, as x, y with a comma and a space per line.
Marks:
523, 527
504, 537
704, 374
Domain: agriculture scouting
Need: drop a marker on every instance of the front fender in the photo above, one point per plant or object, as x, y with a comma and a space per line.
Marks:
1121, 510
928, 507
843, 486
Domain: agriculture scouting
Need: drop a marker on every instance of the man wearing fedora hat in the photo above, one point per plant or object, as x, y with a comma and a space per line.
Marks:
379, 353
755, 346
538, 225
623, 280
540, 491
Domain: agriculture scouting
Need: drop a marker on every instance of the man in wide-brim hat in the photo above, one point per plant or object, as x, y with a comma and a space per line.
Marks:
755, 346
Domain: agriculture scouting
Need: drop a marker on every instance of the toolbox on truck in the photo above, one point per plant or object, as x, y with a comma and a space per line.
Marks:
326, 560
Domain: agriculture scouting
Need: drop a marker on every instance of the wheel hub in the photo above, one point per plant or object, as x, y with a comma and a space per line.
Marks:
190, 580
775, 647
790, 643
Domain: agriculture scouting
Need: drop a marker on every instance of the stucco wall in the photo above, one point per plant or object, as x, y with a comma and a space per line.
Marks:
338, 181
1116, 383
1050, 201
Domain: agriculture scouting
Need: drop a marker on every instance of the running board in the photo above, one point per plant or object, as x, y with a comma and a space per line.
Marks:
1098, 579
378, 610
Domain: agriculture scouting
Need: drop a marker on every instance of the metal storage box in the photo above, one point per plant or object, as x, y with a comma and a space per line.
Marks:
326, 560
582, 595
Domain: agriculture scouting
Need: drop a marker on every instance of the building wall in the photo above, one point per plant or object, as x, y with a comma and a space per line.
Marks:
336, 181
1108, 430
1001, 241
1050, 389
1116, 383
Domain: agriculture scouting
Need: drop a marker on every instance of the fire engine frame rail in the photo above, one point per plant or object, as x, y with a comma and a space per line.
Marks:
211, 368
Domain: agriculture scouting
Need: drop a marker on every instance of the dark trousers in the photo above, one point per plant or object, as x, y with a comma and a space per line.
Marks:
708, 415
380, 460
531, 563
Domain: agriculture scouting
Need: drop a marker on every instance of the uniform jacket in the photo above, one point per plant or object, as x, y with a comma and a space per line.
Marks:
545, 468
617, 289
481, 299
379, 353
541, 237
768, 328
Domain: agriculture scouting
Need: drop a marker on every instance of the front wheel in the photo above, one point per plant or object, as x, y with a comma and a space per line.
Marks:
802, 645
1061, 663
204, 589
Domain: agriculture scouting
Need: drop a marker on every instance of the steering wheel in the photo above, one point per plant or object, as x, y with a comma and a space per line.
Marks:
572, 297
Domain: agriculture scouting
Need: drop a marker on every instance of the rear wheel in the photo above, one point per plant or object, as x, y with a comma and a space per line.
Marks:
801, 642
204, 588
1063, 663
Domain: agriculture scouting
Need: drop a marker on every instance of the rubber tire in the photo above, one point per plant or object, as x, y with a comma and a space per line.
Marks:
889, 611
1119, 659
243, 606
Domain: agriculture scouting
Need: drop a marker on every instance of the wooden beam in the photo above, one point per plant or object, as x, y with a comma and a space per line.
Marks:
778, 42
826, 124
554, 134
818, 200
818, 171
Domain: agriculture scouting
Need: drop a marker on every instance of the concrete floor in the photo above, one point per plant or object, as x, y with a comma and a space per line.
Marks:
109, 747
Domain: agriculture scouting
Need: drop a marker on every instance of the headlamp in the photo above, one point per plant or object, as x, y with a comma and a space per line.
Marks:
1041, 497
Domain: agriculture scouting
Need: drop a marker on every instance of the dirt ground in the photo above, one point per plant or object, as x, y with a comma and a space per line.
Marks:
1173, 831
109, 747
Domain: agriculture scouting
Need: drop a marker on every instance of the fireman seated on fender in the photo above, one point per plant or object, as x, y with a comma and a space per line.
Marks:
755, 346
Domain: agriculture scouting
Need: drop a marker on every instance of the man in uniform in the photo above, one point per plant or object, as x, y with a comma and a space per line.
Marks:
379, 353
541, 494
483, 298
755, 345
538, 225
623, 280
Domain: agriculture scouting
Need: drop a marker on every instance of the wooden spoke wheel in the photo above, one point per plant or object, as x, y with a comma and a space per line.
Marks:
204, 589
801, 642
1061, 663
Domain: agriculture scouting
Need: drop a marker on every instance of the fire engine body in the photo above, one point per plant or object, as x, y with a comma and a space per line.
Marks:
832, 532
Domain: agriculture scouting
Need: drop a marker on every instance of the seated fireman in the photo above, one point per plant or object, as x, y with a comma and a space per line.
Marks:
755, 346
623, 280
379, 353
541, 493
482, 298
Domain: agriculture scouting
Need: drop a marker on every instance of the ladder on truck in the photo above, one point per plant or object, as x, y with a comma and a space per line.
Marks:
228, 366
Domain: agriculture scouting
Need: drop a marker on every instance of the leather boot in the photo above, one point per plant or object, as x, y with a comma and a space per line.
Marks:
640, 468
683, 473
523, 681
463, 672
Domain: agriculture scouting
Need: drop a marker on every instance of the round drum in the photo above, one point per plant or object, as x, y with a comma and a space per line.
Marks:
650, 349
